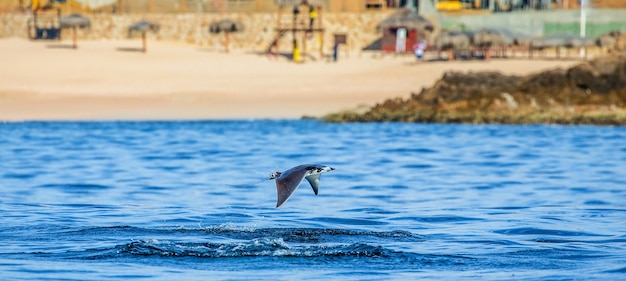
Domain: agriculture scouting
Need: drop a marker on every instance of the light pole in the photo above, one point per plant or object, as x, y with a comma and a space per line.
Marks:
583, 25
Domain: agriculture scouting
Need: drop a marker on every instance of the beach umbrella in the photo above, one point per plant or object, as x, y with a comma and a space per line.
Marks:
286, 3
488, 37
455, 40
551, 41
75, 21
407, 19
608, 39
143, 27
522, 40
561, 40
226, 26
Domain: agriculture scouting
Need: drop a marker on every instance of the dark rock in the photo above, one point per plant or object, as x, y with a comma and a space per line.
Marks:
592, 92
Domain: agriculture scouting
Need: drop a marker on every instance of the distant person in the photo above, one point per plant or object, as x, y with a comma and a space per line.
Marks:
296, 11
273, 50
312, 16
296, 51
335, 51
418, 49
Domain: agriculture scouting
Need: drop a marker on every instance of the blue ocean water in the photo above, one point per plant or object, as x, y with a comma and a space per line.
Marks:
185, 200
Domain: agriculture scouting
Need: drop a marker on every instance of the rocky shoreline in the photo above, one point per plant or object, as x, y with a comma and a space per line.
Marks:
592, 92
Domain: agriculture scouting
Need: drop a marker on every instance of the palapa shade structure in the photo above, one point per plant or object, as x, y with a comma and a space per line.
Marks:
226, 26
143, 27
407, 19
453, 41
75, 21
286, 3
418, 28
559, 41
486, 38
608, 39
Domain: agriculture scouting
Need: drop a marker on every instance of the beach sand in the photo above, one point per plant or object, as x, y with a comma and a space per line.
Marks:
112, 80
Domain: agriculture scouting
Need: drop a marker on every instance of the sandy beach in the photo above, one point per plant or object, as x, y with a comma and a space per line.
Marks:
112, 80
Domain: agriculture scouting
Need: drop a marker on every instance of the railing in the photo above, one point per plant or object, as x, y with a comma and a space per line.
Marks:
199, 6
507, 5
248, 6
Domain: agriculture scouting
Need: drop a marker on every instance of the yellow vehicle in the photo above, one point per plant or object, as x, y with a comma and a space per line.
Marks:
449, 5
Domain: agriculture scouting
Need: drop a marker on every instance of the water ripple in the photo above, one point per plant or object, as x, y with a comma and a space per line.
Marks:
169, 200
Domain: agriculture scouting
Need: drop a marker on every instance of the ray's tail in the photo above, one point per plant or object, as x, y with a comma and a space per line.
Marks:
273, 176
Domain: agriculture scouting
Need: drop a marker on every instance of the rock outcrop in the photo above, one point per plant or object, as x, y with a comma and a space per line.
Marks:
592, 92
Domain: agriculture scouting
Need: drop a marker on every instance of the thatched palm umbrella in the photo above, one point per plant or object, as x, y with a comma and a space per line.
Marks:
560, 40
522, 40
608, 39
578, 42
453, 41
407, 19
226, 26
75, 21
143, 27
488, 37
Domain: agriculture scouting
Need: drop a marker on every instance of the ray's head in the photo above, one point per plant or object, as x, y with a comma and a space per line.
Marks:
318, 169
275, 175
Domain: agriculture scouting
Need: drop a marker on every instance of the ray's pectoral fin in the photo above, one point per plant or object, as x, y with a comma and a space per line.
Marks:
314, 180
284, 192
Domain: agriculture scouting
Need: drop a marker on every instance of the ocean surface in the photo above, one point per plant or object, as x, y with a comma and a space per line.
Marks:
188, 201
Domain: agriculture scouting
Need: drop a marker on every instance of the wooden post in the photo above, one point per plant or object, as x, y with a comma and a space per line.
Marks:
74, 45
294, 24
227, 40
488, 54
279, 25
321, 34
451, 54
144, 45
304, 34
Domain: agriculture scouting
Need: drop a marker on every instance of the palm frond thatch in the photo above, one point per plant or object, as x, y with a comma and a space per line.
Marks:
456, 40
560, 40
143, 27
608, 39
286, 3
226, 25
492, 37
407, 19
75, 21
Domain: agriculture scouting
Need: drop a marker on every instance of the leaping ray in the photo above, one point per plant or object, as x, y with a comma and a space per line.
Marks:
288, 181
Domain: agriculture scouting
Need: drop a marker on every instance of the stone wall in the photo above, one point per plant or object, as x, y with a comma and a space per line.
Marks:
193, 29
